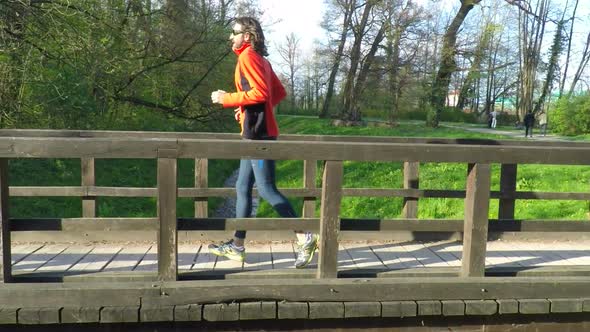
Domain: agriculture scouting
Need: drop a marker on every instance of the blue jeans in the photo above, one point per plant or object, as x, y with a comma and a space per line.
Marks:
261, 172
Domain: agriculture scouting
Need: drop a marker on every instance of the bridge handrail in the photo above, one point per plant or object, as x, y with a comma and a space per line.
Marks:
168, 147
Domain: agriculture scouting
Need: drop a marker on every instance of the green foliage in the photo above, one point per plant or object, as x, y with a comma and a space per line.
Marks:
452, 114
94, 64
571, 115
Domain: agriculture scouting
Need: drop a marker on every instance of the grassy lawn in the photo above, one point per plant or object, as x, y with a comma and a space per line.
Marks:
142, 173
552, 178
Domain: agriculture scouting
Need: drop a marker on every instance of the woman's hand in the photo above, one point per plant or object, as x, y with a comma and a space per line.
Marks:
237, 114
217, 96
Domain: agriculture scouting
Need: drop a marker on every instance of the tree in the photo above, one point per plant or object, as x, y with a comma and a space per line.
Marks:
585, 57
346, 9
359, 65
91, 64
448, 64
556, 49
401, 16
569, 49
532, 30
290, 53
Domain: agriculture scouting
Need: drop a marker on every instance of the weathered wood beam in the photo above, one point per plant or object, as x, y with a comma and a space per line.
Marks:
285, 137
5, 250
329, 219
50, 147
201, 181
167, 230
88, 179
507, 187
278, 224
475, 232
309, 174
411, 181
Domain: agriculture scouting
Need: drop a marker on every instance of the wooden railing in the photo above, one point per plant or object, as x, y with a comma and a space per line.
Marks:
168, 147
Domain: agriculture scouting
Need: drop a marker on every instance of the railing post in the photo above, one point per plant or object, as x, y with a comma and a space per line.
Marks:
201, 181
88, 202
309, 173
330, 220
5, 254
167, 230
507, 186
475, 232
411, 181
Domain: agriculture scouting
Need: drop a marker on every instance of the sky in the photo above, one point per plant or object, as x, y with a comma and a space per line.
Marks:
302, 17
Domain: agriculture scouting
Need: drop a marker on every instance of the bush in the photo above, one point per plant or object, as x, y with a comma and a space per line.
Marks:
451, 114
571, 115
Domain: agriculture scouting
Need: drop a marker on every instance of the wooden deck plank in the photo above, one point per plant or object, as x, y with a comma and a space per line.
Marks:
389, 257
283, 256
450, 252
573, 252
66, 259
426, 256
187, 255
409, 250
21, 251
149, 262
97, 259
395, 256
127, 259
502, 254
345, 261
363, 256
205, 260
39, 258
389, 251
258, 257
543, 254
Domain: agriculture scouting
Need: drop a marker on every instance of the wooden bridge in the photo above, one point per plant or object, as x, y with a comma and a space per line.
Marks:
175, 280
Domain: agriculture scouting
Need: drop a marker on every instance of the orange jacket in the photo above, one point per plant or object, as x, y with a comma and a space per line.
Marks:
259, 90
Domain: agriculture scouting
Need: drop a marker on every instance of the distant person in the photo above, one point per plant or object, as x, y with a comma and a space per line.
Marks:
258, 91
543, 122
529, 122
489, 120
494, 115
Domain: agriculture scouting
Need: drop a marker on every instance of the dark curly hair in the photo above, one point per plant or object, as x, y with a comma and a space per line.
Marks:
251, 26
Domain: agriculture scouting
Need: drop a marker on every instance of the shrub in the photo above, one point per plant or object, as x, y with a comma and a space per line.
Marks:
571, 116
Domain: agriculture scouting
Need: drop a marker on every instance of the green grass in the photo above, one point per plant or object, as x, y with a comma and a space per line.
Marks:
142, 173
111, 173
432, 176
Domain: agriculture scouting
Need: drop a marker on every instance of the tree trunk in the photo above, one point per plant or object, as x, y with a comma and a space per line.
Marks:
348, 107
556, 49
448, 65
581, 66
348, 11
532, 28
569, 49
474, 71
363, 73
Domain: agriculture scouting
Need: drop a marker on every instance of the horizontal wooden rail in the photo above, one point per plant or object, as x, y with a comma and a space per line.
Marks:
40, 133
50, 147
79, 191
167, 148
281, 224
